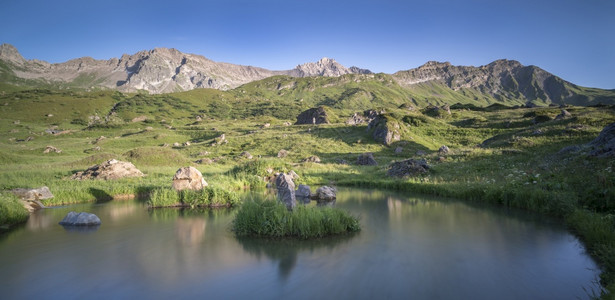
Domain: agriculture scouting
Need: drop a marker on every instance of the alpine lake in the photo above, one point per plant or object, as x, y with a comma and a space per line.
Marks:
410, 247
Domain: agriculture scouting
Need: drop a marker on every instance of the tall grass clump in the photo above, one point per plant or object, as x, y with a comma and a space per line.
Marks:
207, 197
11, 211
272, 219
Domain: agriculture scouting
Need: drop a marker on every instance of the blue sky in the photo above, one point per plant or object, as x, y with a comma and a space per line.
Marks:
574, 39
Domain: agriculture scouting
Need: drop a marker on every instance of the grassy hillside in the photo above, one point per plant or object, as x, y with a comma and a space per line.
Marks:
498, 155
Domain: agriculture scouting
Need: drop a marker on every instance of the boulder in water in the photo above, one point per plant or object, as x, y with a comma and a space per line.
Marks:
80, 219
326, 193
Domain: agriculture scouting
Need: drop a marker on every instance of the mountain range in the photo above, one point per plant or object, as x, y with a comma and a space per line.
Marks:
164, 70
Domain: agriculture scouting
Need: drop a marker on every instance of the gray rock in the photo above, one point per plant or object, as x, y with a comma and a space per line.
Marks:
312, 159
570, 149
366, 159
444, 150
111, 169
286, 190
188, 178
316, 115
385, 130
304, 192
421, 153
41, 193
563, 115
246, 154
408, 167
355, 119
326, 193
80, 219
399, 150
604, 144
50, 149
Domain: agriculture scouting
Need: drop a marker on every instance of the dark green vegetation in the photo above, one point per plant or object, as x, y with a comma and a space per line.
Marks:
272, 219
11, 211
517, 164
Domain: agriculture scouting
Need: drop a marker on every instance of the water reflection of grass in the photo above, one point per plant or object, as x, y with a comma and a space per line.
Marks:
286, 251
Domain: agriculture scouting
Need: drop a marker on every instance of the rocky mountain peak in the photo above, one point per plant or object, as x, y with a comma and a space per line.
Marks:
9, 53
325, 67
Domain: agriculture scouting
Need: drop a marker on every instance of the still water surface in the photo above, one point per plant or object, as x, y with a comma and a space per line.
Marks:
409, 248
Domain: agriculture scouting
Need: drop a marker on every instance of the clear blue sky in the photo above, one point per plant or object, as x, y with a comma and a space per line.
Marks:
574, 39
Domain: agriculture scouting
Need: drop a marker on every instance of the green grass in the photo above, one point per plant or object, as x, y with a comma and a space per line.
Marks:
518, 167
207, 197
11, 211
272, 219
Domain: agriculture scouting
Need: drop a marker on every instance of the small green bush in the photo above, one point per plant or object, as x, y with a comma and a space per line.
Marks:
272, 219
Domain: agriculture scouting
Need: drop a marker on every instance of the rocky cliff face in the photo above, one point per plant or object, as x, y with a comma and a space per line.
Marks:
160, 70
502, 79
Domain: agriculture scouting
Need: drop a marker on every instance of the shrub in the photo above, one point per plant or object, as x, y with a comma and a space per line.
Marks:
272, 219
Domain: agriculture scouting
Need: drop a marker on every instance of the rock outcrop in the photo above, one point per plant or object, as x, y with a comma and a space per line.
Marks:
188, 178
80, 219
317, 115
507, 79
109, 170
41, 193
286, 190
385, 129
325, 67
604, 144
30, 198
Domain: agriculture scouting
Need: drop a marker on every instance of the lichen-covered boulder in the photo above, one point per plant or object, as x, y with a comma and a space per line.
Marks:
111, 169
188, 178
80, 219
286, 190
